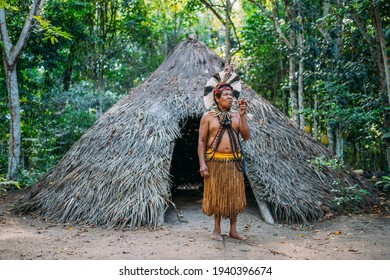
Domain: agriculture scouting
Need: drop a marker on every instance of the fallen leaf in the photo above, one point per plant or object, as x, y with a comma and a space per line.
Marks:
300, 235
338, 232
276, 252
69, 228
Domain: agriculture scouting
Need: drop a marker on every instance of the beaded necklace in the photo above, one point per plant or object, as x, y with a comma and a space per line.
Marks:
223, 116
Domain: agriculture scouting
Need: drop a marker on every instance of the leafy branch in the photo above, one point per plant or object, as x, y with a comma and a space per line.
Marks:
52, 32
7, 185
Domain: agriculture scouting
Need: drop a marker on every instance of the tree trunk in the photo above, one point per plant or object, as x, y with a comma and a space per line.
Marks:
292, 67
339, 143
176, 28
223, 14
382, 45
315, 122
388, 158
68, 71
210, 28
67, 77
228, 43
372, 46
330, 135
275, 86
11, 54
15, 135
292, 86
385, 80
301, 104
338, 44
339, 30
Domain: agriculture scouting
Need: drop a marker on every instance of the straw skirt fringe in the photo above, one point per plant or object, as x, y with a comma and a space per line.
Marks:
224, 190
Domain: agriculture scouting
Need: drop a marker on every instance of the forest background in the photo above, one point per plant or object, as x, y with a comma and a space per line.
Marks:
323, 63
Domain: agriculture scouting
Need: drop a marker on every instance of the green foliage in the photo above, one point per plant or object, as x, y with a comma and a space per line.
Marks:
58, 119
263, 54
386, 135
345, 196
333, 163
102, 49
341, 78
6, 185
383, 184
51, 32
3, 4
348, 196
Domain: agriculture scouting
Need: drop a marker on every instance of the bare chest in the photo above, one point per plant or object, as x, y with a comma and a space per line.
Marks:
215, 132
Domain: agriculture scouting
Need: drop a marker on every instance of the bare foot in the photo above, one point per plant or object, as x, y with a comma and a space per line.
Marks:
238, 236
216, 237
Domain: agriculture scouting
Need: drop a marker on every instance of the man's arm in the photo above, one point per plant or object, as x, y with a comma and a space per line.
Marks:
244, 127
202, 142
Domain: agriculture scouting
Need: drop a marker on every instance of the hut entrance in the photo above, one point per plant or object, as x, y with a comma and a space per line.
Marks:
187, 183
185, 163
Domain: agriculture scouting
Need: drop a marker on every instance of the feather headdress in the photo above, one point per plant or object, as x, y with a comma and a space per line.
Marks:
226, 76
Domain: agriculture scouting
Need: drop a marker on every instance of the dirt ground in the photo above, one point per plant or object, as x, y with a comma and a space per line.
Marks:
348, 237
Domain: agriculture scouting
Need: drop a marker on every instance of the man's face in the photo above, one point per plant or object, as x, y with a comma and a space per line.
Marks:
226, 99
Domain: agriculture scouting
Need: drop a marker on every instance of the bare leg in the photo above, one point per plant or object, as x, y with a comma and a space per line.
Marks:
217, 229
233, 230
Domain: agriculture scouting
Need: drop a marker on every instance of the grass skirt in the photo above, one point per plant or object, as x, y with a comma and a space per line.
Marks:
224, 190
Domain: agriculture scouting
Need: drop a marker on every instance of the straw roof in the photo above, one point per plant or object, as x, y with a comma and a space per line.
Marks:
118, 173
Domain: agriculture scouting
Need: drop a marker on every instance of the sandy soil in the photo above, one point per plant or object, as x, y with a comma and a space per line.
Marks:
350, 237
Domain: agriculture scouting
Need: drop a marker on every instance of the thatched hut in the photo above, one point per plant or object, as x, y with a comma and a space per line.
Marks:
121, 171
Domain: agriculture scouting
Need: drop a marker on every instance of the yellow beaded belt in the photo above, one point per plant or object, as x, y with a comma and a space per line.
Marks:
210, 154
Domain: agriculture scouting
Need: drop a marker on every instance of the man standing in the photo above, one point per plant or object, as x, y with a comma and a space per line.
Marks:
220, 155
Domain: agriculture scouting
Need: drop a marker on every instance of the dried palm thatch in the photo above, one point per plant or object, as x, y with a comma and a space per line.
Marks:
118, 173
